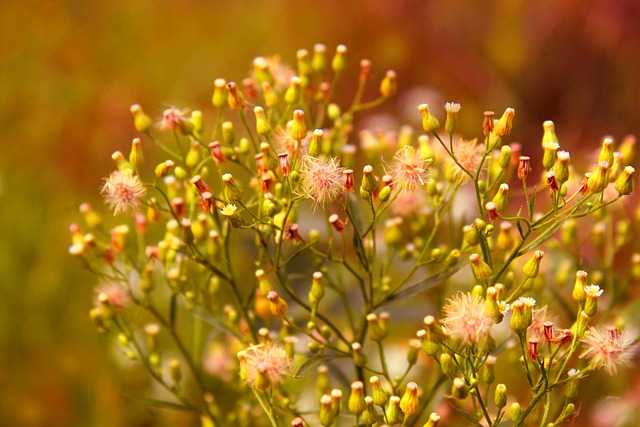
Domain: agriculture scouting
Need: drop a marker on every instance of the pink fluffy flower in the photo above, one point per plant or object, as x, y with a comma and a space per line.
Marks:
409, 169
321, 179
268, 359
123, 192
465, 319
607, 348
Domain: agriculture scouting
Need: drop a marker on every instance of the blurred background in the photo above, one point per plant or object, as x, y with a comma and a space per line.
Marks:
70, 69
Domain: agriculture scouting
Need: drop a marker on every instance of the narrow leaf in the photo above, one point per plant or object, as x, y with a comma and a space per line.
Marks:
311, 366
425, 284
216, 323
541, 239
163, 404
464, 414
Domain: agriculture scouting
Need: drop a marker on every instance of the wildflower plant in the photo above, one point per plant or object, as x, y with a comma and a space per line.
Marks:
263, 263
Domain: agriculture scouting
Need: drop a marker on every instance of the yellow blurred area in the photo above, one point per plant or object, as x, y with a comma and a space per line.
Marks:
69, 70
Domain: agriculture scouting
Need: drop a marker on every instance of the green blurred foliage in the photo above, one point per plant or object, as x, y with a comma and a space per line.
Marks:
70, 69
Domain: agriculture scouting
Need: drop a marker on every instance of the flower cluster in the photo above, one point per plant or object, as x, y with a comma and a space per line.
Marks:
275, 229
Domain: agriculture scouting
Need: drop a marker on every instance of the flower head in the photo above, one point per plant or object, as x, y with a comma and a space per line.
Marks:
115, 293
607, 348
465, 319
322, 179
268, 359
469, 155
173, 119
409, 169
123, 191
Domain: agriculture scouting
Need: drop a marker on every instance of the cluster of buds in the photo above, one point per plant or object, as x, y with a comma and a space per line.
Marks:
236, 196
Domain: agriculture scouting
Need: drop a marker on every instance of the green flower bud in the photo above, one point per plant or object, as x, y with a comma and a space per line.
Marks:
448, 365
317, 288
451, 123
597, 181
488, 372
228, 135
193, 156
369, 181
326, 415
219, 98
504, 159
532, 266
452, 258
292, 94
409, 403
356, 402
198, 123
235, 98
579, 294
121, 162
298, 128
606, 152
304, 62
491, 307
389, 85
561, 168
518, 320
263, 127
414, 350
504, 124
359, 358
319, 59
459, 389
549, 135
269, 94
384, 194
141, 121
481, 270
277, 305
392, 411
339, 61
380, 397
624, 183
269, 208
429, 123
369, 415
515, 412
500, 397
232, 190
433, 420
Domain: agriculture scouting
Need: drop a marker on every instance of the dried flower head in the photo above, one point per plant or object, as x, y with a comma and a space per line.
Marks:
469, 155
173, 119
123, 192
322, 179
607, 348
115, 293
270, 359
465, 319
409, 169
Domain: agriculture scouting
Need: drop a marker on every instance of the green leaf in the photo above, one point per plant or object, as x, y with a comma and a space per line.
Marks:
311, 366
425, 284
464, 414
532, 203
164, 404
542, 238
217, 323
